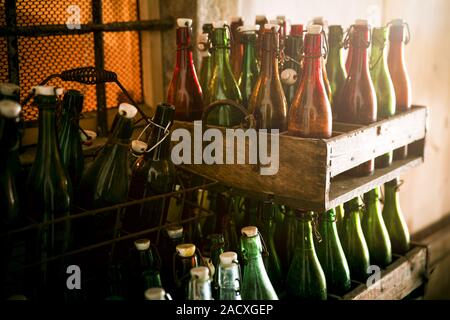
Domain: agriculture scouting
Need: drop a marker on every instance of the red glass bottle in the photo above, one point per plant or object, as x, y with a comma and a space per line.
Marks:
399, 73
237, 47
184, 91
267, 102
357, 102
310, 113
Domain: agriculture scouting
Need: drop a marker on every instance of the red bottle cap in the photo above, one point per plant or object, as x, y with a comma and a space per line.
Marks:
296, 30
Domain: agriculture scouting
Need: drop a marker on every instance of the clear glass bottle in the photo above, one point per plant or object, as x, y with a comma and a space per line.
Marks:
229, 277
200, 284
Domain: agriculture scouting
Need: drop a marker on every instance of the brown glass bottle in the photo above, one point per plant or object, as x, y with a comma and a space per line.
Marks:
184, 91
357, 102
261, 21
324, 24
237, 48
310, 112
399, 73
267, 102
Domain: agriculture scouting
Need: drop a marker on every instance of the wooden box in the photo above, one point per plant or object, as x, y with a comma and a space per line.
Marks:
310, 170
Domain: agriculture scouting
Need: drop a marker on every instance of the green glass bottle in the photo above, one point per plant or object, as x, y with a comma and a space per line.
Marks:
69, 136
306, 279
256, 284
199, 284
340, 212
153, 174
383, 85
286, 240
204, 47
250, 69
335, 64
353, 241
114, 285
375, 231
49, 194
293, 51
216, 248
267, 228
393, 218
225, 222
331, 255
222, 84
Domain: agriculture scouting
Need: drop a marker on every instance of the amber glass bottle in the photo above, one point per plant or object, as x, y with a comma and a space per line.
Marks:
185, 92
261, 21
268, 103
357, 102
399, 73
310, 113
324, 24
237, 49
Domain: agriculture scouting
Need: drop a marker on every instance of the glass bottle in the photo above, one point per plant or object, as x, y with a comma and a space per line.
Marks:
267, 228
382, 82
204, 47
115, 291
229, 277
399, 72
291, 74
340, 212
185, 260
49, 192
331, 255
354, 242
69, 136
200, 284
267, 102
185, 92
357, 101
173, 237
256, 284
310, 113
324, 24
250, 69
335, 64
375, 231
393, 218
286, 241
260, 20
237, 49
153, 174
305, 279
215, 249
222, 84
145, 271
225, 222
10, 168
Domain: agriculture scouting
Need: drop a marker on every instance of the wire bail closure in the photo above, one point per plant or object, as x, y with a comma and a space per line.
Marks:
166, 134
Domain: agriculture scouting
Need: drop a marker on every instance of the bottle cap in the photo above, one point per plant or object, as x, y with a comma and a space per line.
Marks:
249, 28
260, 17
155, 294
9, 109
142, 244
219, 24
236, 19
47, 91
228, 258
283, 18
185, 250
184, 22
138, 146
289, 76
201, 273
9, 89
175, 232
398, 22
272, 26
314, 29
91, 134
319, 20
127, 110
296, 30
249, 231
361, 22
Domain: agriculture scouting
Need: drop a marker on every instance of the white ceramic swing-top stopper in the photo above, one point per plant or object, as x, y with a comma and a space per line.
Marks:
184, 22
127, 110
249, 231
142, 244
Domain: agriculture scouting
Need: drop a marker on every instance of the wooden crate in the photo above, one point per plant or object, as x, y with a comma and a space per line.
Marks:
310, 170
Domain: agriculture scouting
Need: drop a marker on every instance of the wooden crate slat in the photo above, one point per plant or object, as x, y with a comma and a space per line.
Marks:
355, 147
398, 280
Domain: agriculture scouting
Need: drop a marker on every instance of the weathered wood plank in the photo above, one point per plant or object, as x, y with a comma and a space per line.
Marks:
397, 281
362, 144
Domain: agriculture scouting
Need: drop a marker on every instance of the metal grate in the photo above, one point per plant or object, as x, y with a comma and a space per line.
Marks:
41, 56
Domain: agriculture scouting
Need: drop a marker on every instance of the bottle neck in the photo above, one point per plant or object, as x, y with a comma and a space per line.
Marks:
184, 49
122, 131
163, 116
371, 197
304, 235
269, 62
391, 195
249, 60
377, 57
47, 141
252, 247
221, 55
313, 56
359, 42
